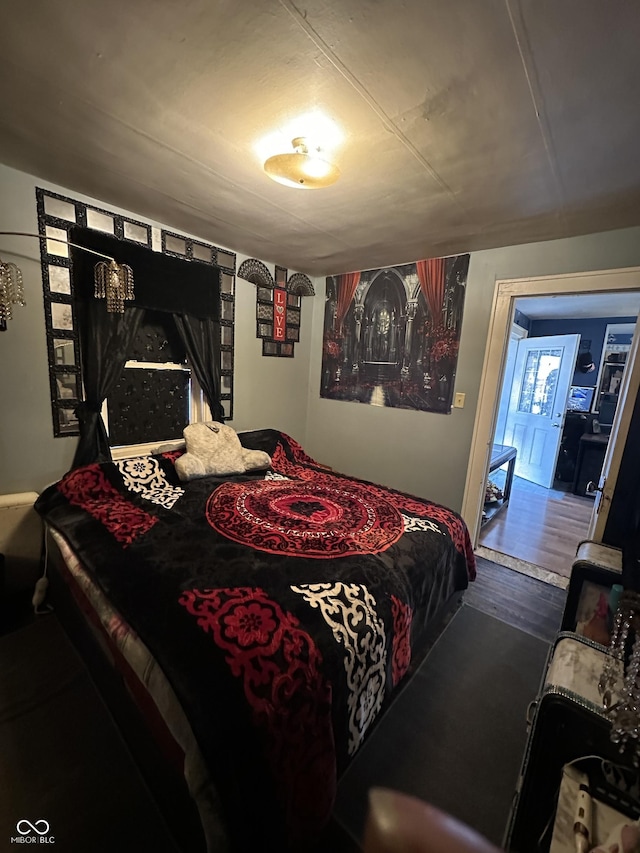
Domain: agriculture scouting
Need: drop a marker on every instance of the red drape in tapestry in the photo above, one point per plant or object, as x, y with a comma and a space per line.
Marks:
431, 277
347, 283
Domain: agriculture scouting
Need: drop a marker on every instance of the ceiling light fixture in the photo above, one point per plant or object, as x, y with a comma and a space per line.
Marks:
304, 169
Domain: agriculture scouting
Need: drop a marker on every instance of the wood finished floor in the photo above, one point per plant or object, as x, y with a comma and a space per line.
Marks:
526, 603
541, 526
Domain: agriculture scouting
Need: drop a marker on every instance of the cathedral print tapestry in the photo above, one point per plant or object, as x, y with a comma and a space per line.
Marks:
391, 335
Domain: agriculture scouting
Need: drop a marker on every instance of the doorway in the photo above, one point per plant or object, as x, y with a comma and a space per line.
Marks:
541, 526
536, 517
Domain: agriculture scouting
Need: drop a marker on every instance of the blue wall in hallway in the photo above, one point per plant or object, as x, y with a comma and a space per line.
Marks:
589, 330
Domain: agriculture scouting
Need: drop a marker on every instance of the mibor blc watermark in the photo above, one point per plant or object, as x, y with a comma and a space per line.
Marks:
33, 833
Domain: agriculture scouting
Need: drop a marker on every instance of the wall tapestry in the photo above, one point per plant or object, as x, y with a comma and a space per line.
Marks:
278, 308
391, 335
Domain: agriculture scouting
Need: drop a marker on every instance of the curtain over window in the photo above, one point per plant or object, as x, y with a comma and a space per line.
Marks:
104, 341
201, 339
187, 290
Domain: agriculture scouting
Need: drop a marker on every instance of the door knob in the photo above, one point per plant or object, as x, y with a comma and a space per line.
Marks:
556, 426
591, 488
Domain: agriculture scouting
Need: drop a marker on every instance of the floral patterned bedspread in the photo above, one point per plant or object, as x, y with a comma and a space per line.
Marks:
283, 607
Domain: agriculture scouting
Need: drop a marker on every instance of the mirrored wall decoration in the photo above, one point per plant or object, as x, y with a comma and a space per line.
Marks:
64, 351
225, 259
201, 252
66, 421
57, 214
59, 279
281, 277
136, 232
67, 385
227, 283
60, 209
226, 309
57, 245
277, 309
175, 245
99, 220
62, 316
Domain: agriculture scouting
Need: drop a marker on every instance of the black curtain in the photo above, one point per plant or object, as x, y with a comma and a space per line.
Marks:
186, 289
104, 342
201, 339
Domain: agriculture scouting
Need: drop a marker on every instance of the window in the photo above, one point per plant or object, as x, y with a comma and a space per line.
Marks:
168, 379
157, 394
539, 382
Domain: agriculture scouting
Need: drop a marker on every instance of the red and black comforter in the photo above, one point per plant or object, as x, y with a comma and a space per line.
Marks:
284, 608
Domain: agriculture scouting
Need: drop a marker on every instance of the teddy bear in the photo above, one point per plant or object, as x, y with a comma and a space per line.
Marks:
213, 448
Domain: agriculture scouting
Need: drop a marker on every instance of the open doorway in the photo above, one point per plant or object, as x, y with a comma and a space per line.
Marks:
541, 522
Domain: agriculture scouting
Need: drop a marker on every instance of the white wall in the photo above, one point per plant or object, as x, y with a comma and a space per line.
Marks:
427, 454
268, 391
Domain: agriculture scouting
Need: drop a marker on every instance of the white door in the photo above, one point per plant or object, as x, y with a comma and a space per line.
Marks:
542, 376
517, 334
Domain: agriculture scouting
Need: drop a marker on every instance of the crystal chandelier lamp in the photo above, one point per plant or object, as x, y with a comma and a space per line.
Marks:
11, 291
113, 281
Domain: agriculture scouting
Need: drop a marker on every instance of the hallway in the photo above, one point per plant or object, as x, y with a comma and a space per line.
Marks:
540, 526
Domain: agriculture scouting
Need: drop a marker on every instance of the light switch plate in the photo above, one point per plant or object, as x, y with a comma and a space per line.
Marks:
458, 402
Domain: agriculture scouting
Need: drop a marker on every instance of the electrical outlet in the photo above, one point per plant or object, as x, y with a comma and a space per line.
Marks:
458, 402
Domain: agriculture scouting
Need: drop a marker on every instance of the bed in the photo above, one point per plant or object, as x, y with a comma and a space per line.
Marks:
268, 619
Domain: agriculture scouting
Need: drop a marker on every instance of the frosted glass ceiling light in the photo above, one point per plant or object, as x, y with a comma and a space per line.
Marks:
304, 169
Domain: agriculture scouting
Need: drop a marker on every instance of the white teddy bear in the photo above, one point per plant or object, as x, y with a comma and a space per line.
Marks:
213, 448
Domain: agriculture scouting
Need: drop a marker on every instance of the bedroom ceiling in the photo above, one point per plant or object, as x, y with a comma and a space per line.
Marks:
467, 124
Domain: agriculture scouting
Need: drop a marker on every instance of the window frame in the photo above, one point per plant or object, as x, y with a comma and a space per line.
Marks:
61, 212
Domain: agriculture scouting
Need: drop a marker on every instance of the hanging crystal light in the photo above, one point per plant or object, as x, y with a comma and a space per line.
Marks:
624, 653
113, 282
11, 291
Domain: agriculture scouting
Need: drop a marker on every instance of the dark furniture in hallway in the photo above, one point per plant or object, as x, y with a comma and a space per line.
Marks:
501, 454
591, 451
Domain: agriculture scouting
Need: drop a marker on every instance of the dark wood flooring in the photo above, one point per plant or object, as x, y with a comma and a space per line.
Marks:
518, 600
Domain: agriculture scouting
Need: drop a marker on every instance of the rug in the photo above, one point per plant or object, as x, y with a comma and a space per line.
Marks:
456, 735
62, 760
